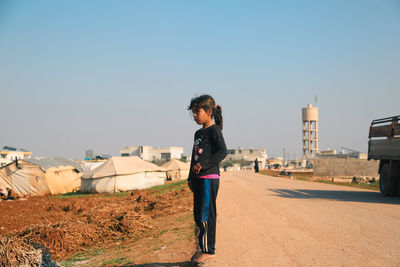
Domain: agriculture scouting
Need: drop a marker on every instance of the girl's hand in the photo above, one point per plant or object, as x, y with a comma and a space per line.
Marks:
197, 168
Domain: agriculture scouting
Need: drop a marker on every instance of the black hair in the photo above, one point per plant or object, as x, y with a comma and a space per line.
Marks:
206, 102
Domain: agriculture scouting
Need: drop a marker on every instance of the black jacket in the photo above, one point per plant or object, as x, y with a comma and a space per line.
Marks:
209, 149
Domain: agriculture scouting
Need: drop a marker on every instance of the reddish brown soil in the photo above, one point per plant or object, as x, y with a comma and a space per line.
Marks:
18, 214
142, 219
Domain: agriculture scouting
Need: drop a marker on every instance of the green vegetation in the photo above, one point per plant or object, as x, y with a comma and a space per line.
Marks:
73, 195
162, 232
96, 252
158, 190
79, 194
116, 261
186, 226
80, 257
370, 186
119, 194
172, 186
72, 261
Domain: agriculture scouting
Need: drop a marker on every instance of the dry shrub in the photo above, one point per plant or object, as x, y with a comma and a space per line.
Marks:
62, 238
100, 224
94, 221
16, 252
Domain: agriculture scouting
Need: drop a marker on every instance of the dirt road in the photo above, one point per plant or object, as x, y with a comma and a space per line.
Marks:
270, 221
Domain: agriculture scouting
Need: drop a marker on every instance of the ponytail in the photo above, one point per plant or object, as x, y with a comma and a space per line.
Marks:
217, 114
206, 102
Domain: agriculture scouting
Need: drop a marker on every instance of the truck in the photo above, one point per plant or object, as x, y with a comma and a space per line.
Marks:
384, 145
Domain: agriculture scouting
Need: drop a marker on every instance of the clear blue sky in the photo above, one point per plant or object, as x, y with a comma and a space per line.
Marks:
77, 75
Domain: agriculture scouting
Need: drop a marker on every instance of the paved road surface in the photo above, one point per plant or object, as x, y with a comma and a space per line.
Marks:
272, 221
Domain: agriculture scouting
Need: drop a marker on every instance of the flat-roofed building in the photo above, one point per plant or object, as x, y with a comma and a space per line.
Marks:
152, 153
275, 163
248, 154
330, 153
9, 154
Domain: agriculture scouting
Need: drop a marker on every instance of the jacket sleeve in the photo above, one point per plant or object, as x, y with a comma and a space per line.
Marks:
191, 166
219, 153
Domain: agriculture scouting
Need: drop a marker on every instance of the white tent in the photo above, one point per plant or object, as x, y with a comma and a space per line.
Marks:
122, 174
41, 176
88, 166
177, 169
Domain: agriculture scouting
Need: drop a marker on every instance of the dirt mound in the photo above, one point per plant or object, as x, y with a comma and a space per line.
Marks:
82, 223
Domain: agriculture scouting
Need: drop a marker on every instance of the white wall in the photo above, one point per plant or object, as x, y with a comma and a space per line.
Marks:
149, 153
9, 156
250, 155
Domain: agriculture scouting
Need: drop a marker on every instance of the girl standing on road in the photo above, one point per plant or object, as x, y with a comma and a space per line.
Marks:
209, 150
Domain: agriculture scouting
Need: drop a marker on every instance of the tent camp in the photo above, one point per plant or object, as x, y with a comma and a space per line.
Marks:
90, 165
41, 176
177, 169
122, 174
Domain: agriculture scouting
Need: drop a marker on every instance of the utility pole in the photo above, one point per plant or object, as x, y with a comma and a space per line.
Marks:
283, 163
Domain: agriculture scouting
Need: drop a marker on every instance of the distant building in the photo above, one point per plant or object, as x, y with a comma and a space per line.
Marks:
327, 152
275, 163
248, 154
331, 153
186, 157
152, 153
92, 155
9, 154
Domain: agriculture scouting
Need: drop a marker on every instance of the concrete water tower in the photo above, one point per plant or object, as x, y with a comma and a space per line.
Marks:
310, 131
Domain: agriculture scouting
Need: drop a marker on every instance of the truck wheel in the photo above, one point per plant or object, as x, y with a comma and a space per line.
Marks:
387, 182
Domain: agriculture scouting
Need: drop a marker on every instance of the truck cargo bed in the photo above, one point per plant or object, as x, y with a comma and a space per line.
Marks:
384, 149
